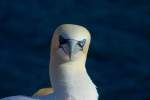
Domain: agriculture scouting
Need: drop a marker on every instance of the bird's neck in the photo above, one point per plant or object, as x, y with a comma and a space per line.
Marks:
71, 80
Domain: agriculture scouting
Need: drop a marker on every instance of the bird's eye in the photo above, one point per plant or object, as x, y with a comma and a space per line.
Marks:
82, 43
62, 40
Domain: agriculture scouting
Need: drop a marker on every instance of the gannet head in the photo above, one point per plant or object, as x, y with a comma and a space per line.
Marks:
70, 42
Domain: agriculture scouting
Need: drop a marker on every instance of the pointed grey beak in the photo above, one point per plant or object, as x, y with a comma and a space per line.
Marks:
73, 48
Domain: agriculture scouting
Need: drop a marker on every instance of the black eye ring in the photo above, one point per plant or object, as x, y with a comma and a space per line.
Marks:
82, 43
62, 40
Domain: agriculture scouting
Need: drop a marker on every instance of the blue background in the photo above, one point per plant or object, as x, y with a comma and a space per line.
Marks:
119, 56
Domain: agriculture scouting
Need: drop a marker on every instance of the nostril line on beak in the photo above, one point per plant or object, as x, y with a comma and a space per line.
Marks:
71, 47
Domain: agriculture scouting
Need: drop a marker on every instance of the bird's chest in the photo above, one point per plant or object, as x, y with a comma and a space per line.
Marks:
74, 98
77, 96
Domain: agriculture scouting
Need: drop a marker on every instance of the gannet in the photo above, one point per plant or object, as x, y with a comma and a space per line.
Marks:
68, 75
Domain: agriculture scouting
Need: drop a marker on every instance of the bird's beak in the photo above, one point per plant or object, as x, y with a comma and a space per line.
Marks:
72, 48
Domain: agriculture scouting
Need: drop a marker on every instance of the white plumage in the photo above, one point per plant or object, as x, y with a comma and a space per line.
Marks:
68, 74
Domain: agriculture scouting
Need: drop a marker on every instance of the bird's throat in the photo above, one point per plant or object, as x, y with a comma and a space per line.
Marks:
70, 78
63, 74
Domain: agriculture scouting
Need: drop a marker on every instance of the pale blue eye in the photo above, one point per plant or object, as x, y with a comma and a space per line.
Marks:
82, 43
62, 40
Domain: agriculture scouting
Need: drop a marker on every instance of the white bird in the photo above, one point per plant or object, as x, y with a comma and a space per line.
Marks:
68, 75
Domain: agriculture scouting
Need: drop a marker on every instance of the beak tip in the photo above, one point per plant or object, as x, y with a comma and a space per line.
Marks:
70, 56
